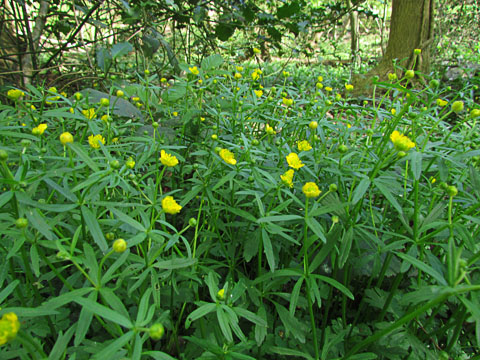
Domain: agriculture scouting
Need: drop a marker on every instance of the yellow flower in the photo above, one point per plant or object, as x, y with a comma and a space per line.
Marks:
239, 68
66, 138
175, 113
269, 130
441, 102
170, 206
227, 156
286, 74
237, 76
313, 125
255, 76
221, 294
320, 78
15, 94
256, 51
392, 76
194, 70
135, 99
259, 93
287, 102
401, 142
168, 159
287, 178
393, 111
328, 88
89, 114
349, 87
319, 85
130, 163
9, 326
294, 161
311, 190
105, 118
114, 140
163, 80
40, 129
95, 140
304, 145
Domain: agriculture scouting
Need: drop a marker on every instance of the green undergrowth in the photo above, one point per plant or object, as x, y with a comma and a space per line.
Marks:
240, 212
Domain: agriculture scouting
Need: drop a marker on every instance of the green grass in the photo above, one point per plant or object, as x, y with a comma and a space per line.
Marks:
383, 263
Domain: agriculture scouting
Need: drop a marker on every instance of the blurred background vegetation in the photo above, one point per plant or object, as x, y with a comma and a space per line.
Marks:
73, 43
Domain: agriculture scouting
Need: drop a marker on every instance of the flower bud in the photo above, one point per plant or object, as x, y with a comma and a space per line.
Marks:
104, 102
119, 246
21, 223
110, 236
156, 331
120, 93
409, 74
457, 106
3, 155
221, 294
332, 187
343, 149
192, 222
115, 164
452, 191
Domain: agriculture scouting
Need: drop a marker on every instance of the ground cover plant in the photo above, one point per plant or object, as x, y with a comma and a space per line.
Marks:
240, 211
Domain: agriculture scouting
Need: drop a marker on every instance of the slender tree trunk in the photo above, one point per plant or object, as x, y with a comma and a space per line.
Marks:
411, 28
354, 36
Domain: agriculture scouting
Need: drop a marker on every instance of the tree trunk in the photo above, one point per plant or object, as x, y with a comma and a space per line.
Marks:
411, 28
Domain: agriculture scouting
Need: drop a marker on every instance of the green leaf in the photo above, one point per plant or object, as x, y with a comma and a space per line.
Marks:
84, 156
345, 246
8, 290
317, 229
335, 284
424, 267
291, 323
111, 349
224, 179
177, 263
276, 218
288, 352
295, 294
224, 324
94, 228
105, 312
127, 219
250, 316
200, 312
58, 350
24, 199
29, 312
416, 161
260, 330
143, 307
84, 321
38, 222
360, 190
268, 249
212, 62
388, 195
158, 355
121, 49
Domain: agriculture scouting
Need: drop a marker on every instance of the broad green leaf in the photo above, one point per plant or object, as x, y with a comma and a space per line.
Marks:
84, 321
111, 349
105, 312
295, 294
424, 267
203, 310
288, 352
388, 195
291, 323
250, 316
345, 246
360, 190
121, 49
94, 228
212, 62
317, 229
127, 219
335, 284
78, 149
224, 324
268, 249
38, 222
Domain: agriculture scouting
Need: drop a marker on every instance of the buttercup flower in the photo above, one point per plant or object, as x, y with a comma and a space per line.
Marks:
255, 76
287, 102
259, 93
237, 76
311, 190
95, 140
401, 142
15, 94
40, 129
9, 326
287, 178
441, 102
66, 138
304, 145
269, 130
221, 294
239, 68
194, 70
256, 51
294, 161
320, 78
89, 113
168, 159
313, 125
227, 156
170, 206
328, 88
349, 87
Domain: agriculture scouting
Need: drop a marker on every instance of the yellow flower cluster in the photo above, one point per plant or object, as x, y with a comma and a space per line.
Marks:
15, 94
168, 159
95, 140
227, 156
304, 145
294, 161
311, 190
170, 206
287, 178
194, 70
401, 142
40, 129
9, 326
89, 113
287, 102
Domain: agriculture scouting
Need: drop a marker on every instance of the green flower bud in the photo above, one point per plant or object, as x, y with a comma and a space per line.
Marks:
3, 155
119, 246
457, 106
156, 331
343, 149
104, 102
452, 191
192, 222
332, 187
21, 223
115, 164
409, 74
